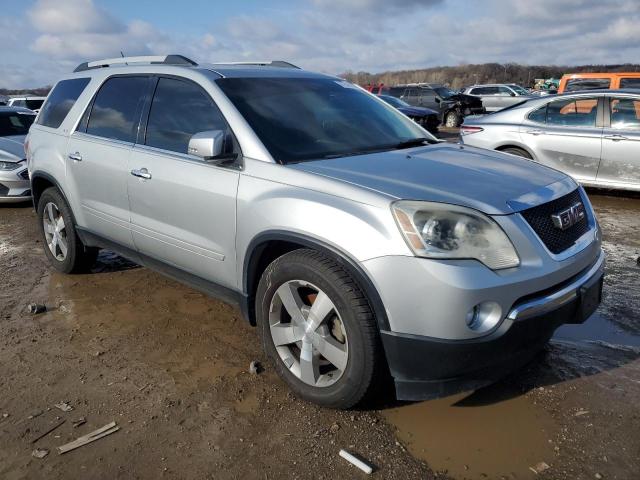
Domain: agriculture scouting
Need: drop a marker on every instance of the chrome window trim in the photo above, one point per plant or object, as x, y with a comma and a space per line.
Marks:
99, 139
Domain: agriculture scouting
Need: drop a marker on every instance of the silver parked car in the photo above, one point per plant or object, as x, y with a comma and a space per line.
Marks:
594, 136
497, 96
355, 241
14, 177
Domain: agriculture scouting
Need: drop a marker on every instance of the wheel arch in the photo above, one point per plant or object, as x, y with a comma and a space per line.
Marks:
517, 145
267, 246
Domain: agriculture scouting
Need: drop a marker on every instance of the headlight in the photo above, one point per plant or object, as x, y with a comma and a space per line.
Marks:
440, 230
6, 166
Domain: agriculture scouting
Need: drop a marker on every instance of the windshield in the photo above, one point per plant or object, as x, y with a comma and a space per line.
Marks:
444, 92
394, 102
15, 123
519, 90
301, 119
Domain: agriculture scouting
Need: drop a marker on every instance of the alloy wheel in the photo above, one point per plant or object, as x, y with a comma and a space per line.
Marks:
55, 231
308, 333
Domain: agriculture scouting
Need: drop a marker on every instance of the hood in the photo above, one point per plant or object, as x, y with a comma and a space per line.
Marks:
417, 111
492, 182
12, 148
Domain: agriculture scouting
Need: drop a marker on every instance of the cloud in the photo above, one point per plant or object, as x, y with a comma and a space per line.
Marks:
379, 5
72, 16
339, 35
81, 30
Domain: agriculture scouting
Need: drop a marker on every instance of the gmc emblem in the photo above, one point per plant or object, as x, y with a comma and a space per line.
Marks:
569, 217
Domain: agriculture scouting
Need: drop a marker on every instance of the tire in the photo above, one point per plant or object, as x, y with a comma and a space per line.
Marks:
517, 151
349, 327
61, 243
452, 119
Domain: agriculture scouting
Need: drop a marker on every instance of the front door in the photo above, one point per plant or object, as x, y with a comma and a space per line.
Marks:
98, 157
570, 139
620, 162
184, 212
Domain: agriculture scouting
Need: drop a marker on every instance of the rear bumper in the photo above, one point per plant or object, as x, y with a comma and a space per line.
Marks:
425, 367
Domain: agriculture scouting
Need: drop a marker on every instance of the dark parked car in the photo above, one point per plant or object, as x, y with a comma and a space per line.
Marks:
452, 107
425, 117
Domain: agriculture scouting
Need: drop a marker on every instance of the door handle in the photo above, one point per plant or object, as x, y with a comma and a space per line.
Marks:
616, 137
535, 132
75, 157
142, 173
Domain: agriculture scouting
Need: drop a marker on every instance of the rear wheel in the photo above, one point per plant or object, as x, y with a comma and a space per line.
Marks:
63, 248
318, 329
517, 151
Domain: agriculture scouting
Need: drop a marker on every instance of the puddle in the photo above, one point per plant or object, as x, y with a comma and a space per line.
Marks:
598, 329
492, 433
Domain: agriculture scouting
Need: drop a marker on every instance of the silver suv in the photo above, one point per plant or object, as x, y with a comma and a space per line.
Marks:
497, 96
356, 242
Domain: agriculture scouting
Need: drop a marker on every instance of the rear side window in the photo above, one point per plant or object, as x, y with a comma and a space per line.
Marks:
630, 83
60, 101
539, 115
576, 84
625, 113
179, 110
573, 113
116, 108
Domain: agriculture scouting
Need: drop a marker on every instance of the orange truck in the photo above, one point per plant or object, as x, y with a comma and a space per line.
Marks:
572, 82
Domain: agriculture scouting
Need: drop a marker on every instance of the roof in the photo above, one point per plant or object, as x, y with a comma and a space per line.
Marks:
270, 68
601, 74
5, 109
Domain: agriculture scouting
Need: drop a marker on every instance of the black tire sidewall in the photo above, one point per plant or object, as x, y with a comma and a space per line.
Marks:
518, 152
355, 380
52, 195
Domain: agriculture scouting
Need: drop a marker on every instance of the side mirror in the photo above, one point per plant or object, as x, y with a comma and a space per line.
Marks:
438, 100
207, 145
512, 94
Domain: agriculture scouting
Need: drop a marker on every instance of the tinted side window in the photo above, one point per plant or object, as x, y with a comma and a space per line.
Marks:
116, 109
625, 113
504, 91
178, 111
19, 103
539, 115
573, 113
60, 101
576, 84
630, 83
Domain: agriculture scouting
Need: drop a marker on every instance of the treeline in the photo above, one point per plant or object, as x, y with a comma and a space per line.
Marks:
36, 92
464, 75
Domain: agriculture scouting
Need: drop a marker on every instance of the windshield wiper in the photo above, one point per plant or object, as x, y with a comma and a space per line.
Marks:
414, 142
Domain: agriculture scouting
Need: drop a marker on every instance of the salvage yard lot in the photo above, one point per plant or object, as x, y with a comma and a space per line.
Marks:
171, 368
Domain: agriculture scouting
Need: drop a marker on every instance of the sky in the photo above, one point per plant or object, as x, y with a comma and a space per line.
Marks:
40, 40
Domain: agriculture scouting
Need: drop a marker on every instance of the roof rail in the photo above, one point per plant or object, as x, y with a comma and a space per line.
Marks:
271, 63
150, 59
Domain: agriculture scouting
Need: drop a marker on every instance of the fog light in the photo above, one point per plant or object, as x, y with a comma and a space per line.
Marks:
483, 316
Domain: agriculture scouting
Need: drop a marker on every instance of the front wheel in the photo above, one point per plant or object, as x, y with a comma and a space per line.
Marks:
62, 246
318, 329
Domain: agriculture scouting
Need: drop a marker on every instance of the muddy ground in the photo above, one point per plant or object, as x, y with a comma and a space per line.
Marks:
170, 366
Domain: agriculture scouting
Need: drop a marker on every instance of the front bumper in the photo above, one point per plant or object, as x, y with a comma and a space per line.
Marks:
14, 186
425, 367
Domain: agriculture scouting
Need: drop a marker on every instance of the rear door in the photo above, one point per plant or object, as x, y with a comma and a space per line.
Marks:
184, 212
567, 135
620, 162
98, 155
